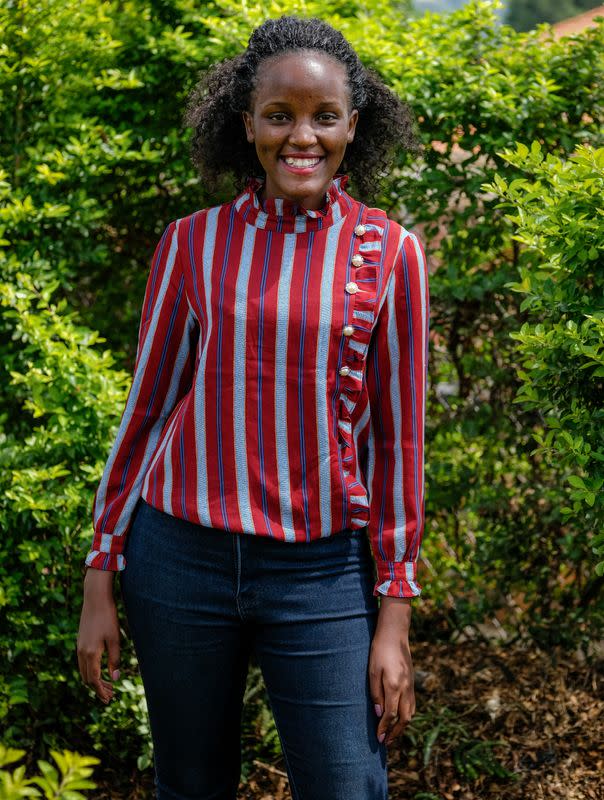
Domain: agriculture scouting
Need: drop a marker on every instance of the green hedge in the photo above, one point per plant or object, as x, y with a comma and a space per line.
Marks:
93, 165
559, 218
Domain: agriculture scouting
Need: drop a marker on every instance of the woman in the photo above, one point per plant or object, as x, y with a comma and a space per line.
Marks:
270, 454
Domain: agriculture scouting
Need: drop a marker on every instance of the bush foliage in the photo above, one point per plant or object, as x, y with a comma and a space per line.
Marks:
506, 197
63, 782
559, 218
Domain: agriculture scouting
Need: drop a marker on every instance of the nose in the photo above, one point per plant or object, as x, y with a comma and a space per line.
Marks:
303, 134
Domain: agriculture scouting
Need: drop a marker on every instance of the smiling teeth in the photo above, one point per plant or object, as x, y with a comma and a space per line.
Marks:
302, 162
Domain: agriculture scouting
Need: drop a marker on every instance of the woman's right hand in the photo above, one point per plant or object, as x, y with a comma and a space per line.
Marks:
99, 630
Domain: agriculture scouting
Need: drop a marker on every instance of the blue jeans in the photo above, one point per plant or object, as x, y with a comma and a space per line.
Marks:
200, 601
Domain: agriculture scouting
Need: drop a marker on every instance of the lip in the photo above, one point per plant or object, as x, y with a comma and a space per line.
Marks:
301, 170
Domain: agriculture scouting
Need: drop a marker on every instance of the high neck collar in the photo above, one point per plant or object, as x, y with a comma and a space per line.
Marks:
288, 216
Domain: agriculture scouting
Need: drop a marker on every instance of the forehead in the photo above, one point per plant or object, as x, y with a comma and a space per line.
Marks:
301, 75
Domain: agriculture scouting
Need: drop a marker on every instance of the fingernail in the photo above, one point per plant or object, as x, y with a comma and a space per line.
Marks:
115, 674
381, 737
378, 709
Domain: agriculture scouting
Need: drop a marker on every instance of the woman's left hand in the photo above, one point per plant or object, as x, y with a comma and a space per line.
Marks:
391, 677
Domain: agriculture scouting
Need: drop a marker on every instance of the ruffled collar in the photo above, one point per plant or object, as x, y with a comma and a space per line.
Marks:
287, 216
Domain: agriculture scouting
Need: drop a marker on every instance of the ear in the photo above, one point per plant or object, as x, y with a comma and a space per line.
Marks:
249, 125
352, 123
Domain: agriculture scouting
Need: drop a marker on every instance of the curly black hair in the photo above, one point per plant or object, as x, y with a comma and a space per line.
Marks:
219, 146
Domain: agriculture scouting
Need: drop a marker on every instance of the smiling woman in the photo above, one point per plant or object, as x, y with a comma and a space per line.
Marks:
264, 494
301, 123
225, 94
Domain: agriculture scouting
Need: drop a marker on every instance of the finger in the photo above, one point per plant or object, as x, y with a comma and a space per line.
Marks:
405, 713
113, 658
396, 730
391, 720
103, 689
81, 664
376, 691
91, 674
391, 704
84, 657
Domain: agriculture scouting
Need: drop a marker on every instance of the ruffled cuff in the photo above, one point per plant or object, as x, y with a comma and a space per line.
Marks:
97, 559
397, 579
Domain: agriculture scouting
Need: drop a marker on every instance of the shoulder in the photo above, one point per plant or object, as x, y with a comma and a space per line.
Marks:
410, 244
391, 228
399, 243
199, 216
194, 223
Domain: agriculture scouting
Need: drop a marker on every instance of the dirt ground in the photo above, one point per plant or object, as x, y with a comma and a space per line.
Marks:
491, 723
546, 710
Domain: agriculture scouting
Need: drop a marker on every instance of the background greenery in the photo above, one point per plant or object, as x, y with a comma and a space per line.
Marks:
507, 198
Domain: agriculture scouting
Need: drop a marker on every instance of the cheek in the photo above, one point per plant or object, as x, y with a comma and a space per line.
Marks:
265, 150
337, 140
268, 143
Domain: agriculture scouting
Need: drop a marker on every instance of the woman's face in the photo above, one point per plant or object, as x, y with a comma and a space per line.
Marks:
300, 109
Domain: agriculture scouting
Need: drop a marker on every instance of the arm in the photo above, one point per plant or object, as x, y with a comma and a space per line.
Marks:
163, 373
397, 384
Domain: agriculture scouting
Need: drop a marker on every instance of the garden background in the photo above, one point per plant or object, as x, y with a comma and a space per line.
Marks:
507, 199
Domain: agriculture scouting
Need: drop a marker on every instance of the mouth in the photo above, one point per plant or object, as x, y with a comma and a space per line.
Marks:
301, 166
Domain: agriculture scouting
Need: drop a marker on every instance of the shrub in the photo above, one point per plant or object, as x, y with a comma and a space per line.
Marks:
558, 217
63, 783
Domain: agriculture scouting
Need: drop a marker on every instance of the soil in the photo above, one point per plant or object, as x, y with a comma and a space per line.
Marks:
506, 723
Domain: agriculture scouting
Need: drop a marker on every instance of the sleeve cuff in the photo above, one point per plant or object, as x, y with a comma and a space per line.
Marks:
96, 559
397, 579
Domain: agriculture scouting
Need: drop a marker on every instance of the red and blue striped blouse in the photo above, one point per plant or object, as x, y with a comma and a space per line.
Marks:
280, 381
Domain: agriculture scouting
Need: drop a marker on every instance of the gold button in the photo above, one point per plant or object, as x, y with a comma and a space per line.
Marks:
348, 330
344, 370
360, 230
357, 260
352, 287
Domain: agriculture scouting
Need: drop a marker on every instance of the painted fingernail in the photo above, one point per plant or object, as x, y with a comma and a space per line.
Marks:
378, 709
381, 737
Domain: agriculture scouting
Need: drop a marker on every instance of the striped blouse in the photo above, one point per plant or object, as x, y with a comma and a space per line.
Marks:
280, 381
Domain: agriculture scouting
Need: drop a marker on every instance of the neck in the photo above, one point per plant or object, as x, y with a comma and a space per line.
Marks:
315, 203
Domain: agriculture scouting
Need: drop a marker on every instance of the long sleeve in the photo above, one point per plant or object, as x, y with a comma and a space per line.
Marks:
163, 373
397, 385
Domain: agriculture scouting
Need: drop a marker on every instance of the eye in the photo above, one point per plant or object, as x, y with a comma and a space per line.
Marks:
326, 116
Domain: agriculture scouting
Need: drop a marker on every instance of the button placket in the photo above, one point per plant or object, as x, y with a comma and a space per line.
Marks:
362, 291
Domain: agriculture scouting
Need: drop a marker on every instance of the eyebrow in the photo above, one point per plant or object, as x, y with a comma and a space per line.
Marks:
331, 102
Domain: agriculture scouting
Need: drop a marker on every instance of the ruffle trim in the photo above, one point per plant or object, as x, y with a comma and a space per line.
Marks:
97, 559
287, 216
397, 579
400, 588
361, 313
